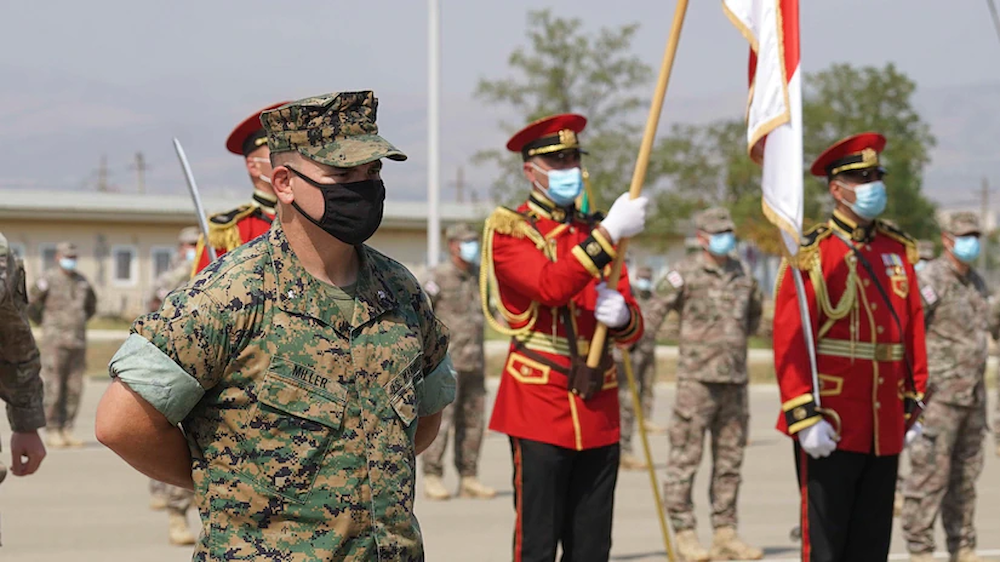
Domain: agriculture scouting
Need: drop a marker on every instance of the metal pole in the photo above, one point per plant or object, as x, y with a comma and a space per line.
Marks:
984, 216
433, 132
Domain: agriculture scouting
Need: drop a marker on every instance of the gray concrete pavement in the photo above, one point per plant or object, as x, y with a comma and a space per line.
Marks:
87, 505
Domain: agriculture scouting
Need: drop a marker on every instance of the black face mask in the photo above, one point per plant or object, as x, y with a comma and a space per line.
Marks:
352, 212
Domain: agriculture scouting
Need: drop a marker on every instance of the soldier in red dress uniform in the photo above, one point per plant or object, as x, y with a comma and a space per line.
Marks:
546, 262
868, 329
234, 228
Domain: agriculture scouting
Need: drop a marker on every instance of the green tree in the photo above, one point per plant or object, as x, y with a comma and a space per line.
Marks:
565, 69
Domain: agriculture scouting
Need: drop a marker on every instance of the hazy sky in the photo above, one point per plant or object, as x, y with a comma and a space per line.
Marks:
113, 77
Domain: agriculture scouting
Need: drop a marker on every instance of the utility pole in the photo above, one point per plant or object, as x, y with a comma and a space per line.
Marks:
140, 168
460, 185
433, 131
102, 174
984, 219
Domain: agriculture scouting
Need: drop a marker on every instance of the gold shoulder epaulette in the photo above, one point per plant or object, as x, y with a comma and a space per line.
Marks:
223, 231
912, 254
809, 246
513, 223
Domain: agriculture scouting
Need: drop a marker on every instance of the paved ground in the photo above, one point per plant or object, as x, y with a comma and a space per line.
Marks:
86, 505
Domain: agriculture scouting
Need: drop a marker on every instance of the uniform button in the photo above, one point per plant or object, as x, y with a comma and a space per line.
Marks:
525, 371
881, 380
868, 247
877, 405
866, 282
874, 306
879, 329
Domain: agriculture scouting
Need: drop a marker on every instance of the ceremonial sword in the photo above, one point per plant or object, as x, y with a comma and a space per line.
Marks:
193, 188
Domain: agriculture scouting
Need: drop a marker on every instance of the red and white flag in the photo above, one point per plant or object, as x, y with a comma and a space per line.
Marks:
774, 112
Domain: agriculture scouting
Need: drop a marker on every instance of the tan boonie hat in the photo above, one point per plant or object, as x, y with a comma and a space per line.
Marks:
713, 220
925, 248
66, 249
962, 223
336, 129
460, 231
188, 235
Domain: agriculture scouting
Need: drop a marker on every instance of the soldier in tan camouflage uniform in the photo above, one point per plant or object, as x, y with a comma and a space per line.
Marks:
719, 305
643, 354
946, 460
20, 384
306, 369
174, 499
62, 301
453, 287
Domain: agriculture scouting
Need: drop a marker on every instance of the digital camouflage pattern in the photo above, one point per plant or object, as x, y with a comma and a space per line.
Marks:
945, 463
654, 312
303, 442
719, 308
959, 323
336, 129
20, 384
947, 459
723, 410
454, 294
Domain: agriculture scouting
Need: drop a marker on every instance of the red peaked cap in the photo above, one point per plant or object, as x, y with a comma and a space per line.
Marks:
853, 153
548, 135
249, 130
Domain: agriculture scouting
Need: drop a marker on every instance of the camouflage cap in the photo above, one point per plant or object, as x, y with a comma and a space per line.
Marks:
460, 231
66, 249
336, 129
713, 220
961, 224
926, 249
188, 235
644, 272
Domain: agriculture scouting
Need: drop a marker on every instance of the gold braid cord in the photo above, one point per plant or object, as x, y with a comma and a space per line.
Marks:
509, 223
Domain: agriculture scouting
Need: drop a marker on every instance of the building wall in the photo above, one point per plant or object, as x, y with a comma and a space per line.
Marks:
97, 244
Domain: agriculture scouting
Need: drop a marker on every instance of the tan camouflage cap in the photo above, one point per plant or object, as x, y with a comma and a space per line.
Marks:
188, 235
336, 129
460, 231
961, 224
66, 249
713, 220
925, 248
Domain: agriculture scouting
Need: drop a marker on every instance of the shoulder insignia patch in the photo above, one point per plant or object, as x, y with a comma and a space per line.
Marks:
42, 284
930, 297
809, 246
675, 279
432, 288
512, 223
229, 218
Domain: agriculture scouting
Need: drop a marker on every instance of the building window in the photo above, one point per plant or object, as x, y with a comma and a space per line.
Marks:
162, 256
17, 249
124, 265
48, 253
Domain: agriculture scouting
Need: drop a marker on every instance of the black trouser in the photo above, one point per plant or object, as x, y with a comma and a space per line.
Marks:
849, 500
563, 496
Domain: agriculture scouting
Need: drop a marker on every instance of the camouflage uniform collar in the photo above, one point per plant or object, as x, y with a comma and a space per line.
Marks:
301, 293
710, 265
851, 229
968, 277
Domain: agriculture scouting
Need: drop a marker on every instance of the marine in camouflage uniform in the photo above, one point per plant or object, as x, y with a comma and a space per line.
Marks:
643, 355
303, 400
454, 291
20, 383
176, 500
62, 301
947, 458
719, 305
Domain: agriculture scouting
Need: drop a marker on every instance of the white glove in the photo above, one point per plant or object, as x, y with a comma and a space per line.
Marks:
611, 309
626, 218
913, 434
819, 440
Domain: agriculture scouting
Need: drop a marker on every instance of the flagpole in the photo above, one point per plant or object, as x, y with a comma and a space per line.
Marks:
433, 131
642, 162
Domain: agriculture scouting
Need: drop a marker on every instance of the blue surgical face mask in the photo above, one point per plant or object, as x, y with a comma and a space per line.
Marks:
189, 254
870, 199
69, 264
643, 284
920, 265
469, 251
966, 248
722, 243
564, 185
